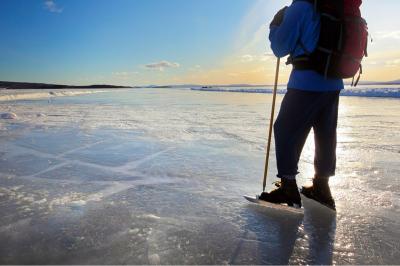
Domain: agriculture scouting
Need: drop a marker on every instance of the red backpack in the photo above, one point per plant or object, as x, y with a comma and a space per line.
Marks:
342, 43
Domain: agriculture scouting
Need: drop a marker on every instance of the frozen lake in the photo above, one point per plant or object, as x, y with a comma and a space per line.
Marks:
156, 176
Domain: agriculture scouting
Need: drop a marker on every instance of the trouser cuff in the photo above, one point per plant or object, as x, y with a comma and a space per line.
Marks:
322, 177
288, 177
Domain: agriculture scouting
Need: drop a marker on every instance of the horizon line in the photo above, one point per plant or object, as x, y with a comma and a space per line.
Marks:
393, 82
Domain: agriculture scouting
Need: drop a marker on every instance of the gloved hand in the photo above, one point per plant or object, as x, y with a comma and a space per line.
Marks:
278, 19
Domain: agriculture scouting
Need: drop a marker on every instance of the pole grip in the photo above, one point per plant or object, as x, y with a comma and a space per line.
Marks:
271, 123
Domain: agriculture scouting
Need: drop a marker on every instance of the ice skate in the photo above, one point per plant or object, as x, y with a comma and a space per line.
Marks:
320, 192
286, 193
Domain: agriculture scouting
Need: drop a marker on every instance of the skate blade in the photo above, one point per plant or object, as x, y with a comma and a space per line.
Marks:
277, 207
310, 203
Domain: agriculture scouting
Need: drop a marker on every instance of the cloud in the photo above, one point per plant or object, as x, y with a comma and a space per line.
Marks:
121, 74
393, 63
388, 35
51, 6
267, 56
162, 65
247, 58
195, 68
370, 63
253, 29
124, 74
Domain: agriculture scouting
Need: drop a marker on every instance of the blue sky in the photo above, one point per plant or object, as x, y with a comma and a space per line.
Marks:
136, 42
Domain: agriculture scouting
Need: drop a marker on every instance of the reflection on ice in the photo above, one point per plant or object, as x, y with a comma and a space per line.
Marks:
320, 227
129, 178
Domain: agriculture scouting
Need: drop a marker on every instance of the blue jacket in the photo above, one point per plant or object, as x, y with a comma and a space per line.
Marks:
301, 24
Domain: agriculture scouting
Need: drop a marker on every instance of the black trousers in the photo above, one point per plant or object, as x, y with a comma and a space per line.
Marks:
300, 112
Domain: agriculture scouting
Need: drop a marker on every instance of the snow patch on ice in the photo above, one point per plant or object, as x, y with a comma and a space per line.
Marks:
42, 201
77, 203
151, 216
241, 90
72, 199
372, 92
33, 95
133, 231
154, 259
358, 91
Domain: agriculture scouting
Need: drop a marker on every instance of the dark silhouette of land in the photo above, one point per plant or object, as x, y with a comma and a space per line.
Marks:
29, 85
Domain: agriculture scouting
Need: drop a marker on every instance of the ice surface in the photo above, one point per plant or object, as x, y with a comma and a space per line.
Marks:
157, 177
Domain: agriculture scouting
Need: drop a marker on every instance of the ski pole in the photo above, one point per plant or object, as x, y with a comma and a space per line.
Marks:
271, 123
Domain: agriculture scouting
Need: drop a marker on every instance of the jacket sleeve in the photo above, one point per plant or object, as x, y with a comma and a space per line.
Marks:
284, 38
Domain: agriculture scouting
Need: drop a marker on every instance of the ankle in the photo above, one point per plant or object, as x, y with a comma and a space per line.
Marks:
289, 183
321, 184
321, 179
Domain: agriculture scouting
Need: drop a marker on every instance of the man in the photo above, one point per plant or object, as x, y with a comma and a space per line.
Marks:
311, 103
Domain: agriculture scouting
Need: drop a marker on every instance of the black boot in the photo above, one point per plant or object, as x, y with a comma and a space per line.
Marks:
287, 192
320, 192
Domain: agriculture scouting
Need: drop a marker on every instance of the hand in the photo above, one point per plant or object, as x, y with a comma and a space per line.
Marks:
278, 19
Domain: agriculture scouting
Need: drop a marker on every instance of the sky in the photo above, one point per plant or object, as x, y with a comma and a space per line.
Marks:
143, 42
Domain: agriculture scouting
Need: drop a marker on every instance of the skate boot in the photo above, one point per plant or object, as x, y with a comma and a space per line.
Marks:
320, 192
287, 192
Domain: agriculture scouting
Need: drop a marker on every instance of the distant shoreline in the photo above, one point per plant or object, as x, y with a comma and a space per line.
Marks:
31, 85
28, 85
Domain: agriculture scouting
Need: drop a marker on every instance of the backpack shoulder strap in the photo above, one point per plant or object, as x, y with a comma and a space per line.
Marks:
310, 1
313, 2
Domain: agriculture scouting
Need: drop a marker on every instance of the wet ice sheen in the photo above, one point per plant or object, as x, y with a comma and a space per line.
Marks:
157, 177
